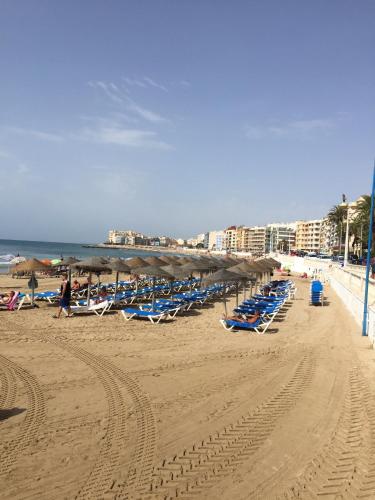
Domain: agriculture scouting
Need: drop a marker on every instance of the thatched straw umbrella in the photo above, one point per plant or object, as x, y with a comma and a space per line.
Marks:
247, 272
169, 259
67, 262
222, 276
31, 265
92, 265
134, 263
176, 271
155, 261
154, 272
119, 266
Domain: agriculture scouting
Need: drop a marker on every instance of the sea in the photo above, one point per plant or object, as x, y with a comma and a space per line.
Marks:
57, 250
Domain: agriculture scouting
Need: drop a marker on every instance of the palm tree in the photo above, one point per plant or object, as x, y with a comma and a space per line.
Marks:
362, 219
336, 217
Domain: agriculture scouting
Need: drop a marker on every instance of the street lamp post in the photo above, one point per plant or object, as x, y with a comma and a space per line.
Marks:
348, 206
346, 253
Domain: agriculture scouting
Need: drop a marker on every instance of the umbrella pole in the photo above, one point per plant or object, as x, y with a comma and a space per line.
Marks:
153, 292
225, 303
70, 275
98, 285
191, 284
244, 290
236, 293
88, 289
32, 288
116, 286
200, 280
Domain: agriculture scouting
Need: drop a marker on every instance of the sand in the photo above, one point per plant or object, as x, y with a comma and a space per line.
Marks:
102, 408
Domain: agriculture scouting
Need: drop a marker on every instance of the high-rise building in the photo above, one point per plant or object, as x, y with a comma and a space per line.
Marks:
220, 240
280, 237
231, 238
311, 236
210, 240
257, 241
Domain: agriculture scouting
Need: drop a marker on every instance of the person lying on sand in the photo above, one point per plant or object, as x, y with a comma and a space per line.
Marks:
6, 299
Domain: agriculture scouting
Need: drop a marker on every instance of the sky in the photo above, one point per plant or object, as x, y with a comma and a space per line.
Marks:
179, 117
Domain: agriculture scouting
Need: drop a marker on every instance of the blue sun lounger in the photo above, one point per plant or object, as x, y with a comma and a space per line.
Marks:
260, 326
153, 316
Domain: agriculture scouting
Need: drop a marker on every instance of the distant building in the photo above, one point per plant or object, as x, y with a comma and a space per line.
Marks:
117, 237
210, 240
231, 239
192, 242
280, 237
220, 240
251, 239
311, 236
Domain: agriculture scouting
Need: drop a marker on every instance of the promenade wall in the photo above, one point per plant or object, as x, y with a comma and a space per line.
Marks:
348, 283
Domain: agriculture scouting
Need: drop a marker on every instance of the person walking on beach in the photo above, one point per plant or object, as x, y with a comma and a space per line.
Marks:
65, 294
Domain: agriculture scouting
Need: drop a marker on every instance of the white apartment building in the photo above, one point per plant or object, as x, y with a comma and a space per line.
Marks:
280, 236
117, 237
210, 240
220, 240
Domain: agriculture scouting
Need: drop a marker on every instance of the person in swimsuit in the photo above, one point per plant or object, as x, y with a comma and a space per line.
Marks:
65, 294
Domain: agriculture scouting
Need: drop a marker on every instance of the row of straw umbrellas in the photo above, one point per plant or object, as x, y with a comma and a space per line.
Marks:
215, 269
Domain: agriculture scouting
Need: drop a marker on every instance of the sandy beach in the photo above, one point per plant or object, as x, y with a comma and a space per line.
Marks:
100, 408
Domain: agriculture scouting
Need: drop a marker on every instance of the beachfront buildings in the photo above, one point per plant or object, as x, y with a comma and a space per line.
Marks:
231, 239
116, 237
213, 240
280, 237
311, 236
251, 239
132, 238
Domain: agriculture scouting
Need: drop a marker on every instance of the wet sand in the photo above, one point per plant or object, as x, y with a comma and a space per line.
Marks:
102, 408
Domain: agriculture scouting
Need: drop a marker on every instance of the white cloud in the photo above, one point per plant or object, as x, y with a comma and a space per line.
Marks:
110, 89
134, 82
185, 83
152, 83
297, 128
44, 136
144, 113
144, 82
133, 138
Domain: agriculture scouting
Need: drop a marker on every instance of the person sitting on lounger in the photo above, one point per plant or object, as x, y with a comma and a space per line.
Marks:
102, 295
253, 318
6, 299
76, 286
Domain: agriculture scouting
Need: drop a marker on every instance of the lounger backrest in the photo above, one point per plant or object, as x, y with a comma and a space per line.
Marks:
13, 302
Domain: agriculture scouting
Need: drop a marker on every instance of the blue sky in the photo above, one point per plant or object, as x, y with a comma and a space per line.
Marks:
177, 117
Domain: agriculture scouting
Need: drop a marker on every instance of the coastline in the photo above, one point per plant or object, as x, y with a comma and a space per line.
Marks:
182, 251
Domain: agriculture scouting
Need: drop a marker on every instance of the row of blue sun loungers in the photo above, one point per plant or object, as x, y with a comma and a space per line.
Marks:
267, 305
164, 309
126, 294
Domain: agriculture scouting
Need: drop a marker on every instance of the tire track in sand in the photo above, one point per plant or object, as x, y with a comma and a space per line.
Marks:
102, 477
8, 385
34, 417
346, 467
196, 470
